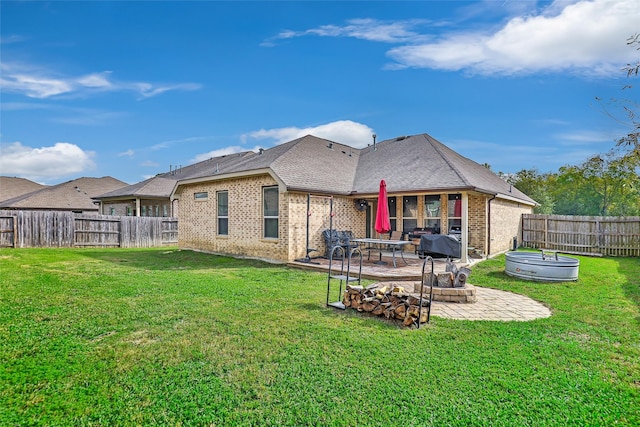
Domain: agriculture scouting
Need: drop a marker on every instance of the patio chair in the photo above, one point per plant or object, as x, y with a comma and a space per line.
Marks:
346, 238
331, 239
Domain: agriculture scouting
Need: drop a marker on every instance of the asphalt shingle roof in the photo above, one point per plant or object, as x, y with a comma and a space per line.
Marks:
11, 187
419, 162
162, 185
415, 163
71, 195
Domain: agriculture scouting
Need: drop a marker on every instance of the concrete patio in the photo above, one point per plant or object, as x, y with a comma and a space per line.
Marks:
411, 271
491, 304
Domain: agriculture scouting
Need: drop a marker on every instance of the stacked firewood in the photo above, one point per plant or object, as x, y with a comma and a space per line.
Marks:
390, 301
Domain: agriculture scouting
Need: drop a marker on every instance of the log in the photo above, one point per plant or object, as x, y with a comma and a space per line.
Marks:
445, 280
430, 279
346, 300
368, 307
378, 310
357, 299
389, 312
400, 311
413, 310
409, 320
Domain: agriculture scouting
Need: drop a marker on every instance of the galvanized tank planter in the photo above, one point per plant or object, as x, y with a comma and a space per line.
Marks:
541, 266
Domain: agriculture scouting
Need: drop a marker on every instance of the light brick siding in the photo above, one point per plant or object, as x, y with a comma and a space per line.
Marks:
198, 220
346, 217
506, 224
197, 228
478, 222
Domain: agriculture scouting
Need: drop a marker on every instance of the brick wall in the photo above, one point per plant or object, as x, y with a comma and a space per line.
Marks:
346, 217
478, 222
197, 228
198, 221
506, 223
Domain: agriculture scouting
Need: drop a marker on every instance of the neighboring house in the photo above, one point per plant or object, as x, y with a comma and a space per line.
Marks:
75, 196
146, 198
11, 187
256, 206
151, 197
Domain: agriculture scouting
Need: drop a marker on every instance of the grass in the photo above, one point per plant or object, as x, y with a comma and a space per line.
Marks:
169, 337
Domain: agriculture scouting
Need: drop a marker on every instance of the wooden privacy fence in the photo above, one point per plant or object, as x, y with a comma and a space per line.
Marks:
43, 229
583, 235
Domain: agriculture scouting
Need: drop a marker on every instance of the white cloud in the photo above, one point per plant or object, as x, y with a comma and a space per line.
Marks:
67, 115
364, 29
216, 153
96, 80
128, 153
586, 137
13, 38
586, 37
56, 161
149, 164
37, 83
342, 131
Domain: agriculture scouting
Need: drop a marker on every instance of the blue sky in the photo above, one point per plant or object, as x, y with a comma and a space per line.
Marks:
129, 88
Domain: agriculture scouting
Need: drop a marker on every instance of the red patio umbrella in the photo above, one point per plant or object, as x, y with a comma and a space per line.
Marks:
383, 225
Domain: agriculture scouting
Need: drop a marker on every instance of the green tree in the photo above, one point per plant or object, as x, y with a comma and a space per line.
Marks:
603, 185
535, 185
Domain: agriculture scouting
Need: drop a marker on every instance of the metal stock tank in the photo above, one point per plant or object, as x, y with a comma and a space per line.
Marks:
542, 267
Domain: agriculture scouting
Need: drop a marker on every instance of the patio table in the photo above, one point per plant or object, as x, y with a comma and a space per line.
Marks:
396, 245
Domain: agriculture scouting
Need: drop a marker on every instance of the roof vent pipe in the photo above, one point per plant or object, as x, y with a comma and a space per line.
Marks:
374, 141
261, 150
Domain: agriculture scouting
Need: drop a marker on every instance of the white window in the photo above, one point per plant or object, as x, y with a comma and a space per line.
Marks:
270, 212
202, 195
223, 213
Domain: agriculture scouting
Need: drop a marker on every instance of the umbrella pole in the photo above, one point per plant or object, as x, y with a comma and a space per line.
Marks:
380, 261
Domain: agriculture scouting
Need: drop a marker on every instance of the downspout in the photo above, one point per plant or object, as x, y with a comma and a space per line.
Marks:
489, 225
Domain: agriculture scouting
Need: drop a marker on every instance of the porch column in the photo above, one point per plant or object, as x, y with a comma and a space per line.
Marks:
464, 235
137, 206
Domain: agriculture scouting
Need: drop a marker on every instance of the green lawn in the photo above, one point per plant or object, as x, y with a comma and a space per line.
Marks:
168, 337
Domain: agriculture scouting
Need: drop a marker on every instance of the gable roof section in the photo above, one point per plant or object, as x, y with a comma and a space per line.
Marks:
162, 185
419, 162
316, 164
11, 187
305, 164
71, 195
152, 187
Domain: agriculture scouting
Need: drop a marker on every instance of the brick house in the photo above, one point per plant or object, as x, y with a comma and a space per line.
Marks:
255, 204
151, 197
75, 196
